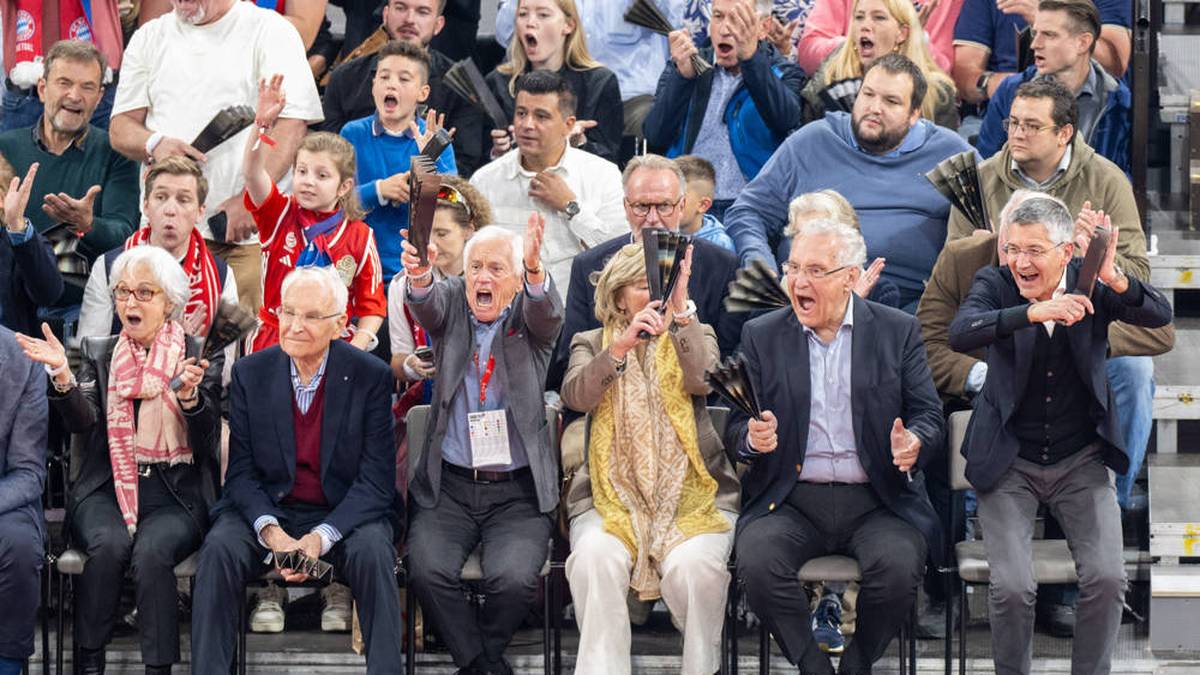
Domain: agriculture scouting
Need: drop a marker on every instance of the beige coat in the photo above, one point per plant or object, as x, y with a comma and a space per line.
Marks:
591, 371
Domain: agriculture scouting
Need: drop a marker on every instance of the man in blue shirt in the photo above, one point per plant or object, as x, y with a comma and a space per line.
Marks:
876, 158
385, 142
985, 42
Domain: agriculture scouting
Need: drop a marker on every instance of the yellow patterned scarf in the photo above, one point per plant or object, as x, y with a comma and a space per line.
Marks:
649, 482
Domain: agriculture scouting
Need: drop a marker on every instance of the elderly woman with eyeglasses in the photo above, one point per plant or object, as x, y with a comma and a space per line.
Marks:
148, 473
652, 509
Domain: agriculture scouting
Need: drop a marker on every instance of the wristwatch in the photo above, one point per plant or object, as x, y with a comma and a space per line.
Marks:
982, 83
571, 209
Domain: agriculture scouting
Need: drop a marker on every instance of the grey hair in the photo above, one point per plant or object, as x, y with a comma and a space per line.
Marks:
851, 247
764, 7
166, 270
491, 233
1047, 211
829, 204
657, 163
326, 277
1016, 199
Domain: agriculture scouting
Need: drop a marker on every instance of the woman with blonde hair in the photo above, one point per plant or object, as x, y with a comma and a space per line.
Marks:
831, 205
652, 509
548, 35
879, 27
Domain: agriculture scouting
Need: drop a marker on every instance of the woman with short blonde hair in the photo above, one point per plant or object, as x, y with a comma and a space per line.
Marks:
652, 509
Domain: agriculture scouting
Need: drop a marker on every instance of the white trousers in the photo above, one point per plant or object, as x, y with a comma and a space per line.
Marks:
695, 585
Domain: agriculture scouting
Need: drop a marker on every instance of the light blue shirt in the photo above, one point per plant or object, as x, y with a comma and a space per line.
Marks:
713, 231
635, 55
831, 455
712, 141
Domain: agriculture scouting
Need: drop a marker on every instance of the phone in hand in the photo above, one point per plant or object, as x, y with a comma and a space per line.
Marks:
218, 224
425, 354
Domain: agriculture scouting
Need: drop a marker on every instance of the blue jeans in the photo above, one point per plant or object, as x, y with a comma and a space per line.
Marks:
23, 108
1132, 382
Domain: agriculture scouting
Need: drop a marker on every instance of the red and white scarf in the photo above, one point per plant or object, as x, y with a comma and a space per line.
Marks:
201, 270
160, 433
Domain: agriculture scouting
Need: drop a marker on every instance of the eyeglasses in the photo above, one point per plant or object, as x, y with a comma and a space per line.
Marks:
288, 315
1033, 253
664, 209
1010, 125
811, 273
452, 196
142, 293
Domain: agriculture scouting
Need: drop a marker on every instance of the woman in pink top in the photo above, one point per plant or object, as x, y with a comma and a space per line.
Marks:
826, 27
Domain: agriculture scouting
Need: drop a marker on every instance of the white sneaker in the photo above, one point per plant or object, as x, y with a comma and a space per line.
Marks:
335, 618
267, 614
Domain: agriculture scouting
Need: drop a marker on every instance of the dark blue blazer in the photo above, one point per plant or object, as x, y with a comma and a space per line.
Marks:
29, 278
889, 378
713, 268
995, 316
358, 450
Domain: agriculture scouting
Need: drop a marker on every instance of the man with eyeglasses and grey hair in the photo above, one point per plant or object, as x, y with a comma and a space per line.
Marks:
1045, 426
850, 418
312, 467
655, 194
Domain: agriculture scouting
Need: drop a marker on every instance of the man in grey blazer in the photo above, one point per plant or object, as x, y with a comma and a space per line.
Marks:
23, 421
486, 475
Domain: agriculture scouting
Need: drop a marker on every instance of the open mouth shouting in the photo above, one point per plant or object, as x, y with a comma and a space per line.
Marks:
390, 103
530, 41
805, 302
1029, 277
866, 47
725, 50
484, 298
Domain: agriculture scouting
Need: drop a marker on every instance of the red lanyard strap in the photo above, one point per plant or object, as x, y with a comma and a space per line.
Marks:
486, 376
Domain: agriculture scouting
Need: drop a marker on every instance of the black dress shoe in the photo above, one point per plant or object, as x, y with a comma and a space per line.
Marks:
1058, 620
89, 661
158, 670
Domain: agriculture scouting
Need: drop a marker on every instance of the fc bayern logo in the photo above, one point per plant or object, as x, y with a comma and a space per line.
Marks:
25, 26
80, 30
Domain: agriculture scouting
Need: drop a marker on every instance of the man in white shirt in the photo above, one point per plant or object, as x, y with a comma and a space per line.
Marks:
182, 68
579, 193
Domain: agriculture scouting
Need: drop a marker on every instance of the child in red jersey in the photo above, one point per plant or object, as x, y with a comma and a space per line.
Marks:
320, 224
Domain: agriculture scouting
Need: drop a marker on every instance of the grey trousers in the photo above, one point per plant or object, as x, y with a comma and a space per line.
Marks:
1080, 493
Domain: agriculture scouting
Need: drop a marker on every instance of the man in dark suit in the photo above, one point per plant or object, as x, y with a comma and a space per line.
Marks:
487, 476
654, 198
315, 473
850, 417
1045, 427
22, 473
29, 276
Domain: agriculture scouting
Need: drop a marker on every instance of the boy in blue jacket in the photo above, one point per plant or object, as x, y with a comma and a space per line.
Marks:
385, 142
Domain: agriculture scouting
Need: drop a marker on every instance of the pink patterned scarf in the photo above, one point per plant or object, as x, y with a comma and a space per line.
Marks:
160, 432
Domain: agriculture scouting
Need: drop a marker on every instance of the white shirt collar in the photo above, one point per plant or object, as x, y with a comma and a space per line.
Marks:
1058, 291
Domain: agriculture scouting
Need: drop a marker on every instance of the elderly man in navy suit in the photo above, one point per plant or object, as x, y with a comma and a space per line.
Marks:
312, 467
1045, 428
850, 417
23, 420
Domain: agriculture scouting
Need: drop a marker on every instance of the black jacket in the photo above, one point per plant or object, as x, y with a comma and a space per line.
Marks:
713, 268
889, 379
597, 97
348, 97
358, 451
29, 278
84, 410
995, 316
